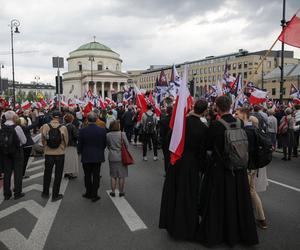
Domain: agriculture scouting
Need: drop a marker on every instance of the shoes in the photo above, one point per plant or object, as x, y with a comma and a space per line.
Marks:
94, 199
155, 158
284, 159
289, 158
121, 194
112, 194
145, 158
6, 198
87, 196
57, 198
26, 176
45, 196
19, 196
262, 224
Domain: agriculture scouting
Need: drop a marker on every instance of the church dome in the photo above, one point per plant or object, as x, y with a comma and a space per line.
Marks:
94, 46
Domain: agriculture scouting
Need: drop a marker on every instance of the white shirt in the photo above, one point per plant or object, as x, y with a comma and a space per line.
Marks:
19, 132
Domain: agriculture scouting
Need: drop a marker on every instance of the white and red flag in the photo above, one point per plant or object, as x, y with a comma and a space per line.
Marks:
26, 105
178, 121
291, 33
154, 104
141, 102
258, 96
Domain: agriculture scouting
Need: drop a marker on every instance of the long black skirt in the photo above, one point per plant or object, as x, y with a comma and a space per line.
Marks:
179, 211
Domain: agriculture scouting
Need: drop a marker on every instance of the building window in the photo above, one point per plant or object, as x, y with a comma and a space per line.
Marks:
269, 64
100, 66
273, 91
234, 74
250, 64
245, 75
201, 79
214, 69
117, 67
205, 79
234, 66
201, 71
219, 68
209, 70
245, 65
209, 78
283, 91
239, 65
205, 70
80, 67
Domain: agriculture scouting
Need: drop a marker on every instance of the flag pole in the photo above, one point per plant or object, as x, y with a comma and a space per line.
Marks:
283, 24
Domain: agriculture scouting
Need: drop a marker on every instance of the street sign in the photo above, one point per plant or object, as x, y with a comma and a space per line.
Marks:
58, 62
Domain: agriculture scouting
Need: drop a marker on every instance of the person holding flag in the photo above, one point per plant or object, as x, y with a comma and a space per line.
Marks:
179, 203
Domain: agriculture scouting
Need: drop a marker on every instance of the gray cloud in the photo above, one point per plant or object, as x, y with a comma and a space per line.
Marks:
143, 32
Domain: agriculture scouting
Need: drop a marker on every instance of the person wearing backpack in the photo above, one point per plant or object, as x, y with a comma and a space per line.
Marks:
55, 140
12, 138
225, 202
251, 127
149, 122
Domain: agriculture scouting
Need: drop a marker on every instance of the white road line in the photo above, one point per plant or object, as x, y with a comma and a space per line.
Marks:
131, 218
37, 187
33, 177
35, 168
284, 185
13, 239
31, 206
38, 162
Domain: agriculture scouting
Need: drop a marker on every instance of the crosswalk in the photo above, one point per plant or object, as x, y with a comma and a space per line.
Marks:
45, 215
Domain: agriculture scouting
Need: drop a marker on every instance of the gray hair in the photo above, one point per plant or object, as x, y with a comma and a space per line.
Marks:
92, 117
9, 115
288, 111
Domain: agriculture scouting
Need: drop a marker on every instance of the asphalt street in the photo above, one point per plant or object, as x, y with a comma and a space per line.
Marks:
132, 223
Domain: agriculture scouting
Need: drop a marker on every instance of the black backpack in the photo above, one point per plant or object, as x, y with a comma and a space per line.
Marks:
9, 140
54, 137
149, 126
264, 149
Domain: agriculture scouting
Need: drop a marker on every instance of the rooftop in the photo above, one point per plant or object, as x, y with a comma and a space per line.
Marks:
94, 46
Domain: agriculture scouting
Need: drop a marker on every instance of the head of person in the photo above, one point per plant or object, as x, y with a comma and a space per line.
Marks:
56, 115
243, 113
288, 111
11, 116
23, 122
149, 106
256, 108
223, 104
92, 117
114, 126
200, 106
270, 112
68, 118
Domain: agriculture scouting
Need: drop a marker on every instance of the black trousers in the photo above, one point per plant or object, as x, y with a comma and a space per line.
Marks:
27, 152
148, 138
13, 164
166, 154
129, 132
50, 161
296, 143
92, 178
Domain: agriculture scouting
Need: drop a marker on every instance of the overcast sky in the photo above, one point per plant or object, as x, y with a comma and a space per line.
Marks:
142, 32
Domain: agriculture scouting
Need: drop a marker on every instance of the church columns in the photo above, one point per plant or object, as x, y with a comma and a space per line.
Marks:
118, 88
95, 89
110, 89
102, 89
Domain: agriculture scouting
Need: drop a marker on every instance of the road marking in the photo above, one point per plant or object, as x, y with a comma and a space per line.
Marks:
38, 162
131, 218
31, 206
37, 187
37, 239
35, 168
284, 185
33, 177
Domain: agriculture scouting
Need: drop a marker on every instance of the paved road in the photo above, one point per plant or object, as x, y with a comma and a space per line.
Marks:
75, 223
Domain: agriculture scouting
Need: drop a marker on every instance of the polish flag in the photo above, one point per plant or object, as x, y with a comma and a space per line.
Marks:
101, 103
296, 101
64, 104
153, 102
44, 104
291, 33
178, 121
258, 96
38, 105
140, 102
25, 105
88, 108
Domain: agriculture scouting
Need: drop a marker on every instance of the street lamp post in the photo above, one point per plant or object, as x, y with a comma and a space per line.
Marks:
14, 28
283, 24
1, 83
37, 78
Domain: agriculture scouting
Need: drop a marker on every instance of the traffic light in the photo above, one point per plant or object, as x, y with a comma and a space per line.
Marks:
60, 87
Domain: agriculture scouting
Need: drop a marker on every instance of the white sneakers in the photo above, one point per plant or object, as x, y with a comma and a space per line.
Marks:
155, 158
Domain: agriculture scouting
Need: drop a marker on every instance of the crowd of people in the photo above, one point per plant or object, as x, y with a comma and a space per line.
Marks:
205, 196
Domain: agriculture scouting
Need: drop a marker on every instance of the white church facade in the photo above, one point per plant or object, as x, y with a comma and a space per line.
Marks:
95, 67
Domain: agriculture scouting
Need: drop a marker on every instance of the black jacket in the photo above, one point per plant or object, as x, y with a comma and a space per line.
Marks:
73, 134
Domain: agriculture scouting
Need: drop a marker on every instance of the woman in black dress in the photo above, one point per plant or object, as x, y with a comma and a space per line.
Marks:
179, 204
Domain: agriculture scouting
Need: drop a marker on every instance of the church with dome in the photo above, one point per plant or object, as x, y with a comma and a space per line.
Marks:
95, 67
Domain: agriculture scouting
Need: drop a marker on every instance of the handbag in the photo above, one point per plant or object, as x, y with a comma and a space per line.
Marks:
127, 158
